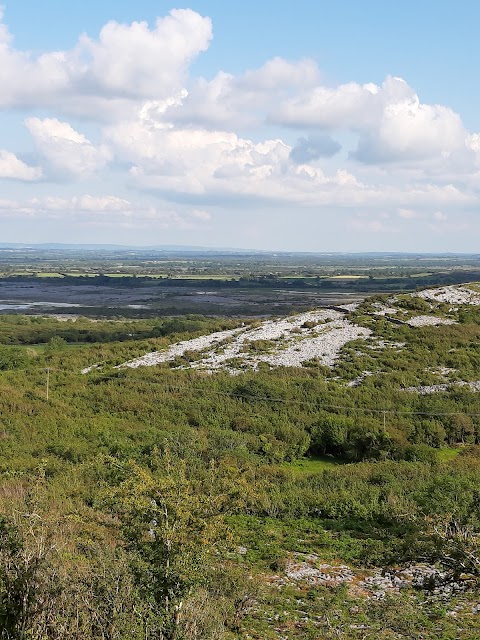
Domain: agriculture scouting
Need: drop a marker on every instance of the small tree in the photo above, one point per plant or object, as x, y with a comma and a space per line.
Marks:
173, 524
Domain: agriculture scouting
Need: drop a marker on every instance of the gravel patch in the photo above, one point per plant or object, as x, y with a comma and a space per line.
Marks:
425, 321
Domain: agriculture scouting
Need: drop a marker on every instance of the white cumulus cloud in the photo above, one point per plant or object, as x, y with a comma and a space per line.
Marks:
65, 149
390, 120
14, 168
206, 165
125, 63
244, 100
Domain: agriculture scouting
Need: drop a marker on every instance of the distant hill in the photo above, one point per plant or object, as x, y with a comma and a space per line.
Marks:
116, 247
174, 248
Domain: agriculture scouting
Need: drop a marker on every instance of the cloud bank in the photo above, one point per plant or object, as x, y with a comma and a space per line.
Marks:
124, 107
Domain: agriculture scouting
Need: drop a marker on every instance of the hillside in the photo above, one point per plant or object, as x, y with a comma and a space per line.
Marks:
320, 337
308, 476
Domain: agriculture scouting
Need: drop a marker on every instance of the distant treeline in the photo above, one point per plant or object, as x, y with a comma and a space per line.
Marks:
363, 285
36, 330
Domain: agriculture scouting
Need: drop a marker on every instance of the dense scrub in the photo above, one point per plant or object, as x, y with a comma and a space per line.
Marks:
34, 330
161, 503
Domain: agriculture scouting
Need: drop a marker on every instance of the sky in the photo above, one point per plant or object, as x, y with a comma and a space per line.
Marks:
284, 126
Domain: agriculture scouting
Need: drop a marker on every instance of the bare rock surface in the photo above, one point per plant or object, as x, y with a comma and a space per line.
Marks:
288, 342
453, 294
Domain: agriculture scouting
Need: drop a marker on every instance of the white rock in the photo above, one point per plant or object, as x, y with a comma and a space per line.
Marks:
295, 343
453, 294
424, 321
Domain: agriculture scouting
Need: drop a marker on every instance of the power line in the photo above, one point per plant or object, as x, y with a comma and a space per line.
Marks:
290, 401
317, 406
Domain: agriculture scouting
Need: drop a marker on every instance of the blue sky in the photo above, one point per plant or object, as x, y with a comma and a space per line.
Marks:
348, 126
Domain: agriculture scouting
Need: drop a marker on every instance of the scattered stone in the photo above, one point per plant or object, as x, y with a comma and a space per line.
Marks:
377, 344
426, 390
323, 574
359, 379
441, 371
382, 310
376, 585
317, 335
92, 367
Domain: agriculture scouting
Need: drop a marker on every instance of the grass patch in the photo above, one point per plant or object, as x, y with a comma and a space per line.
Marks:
448, 453
315, 464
